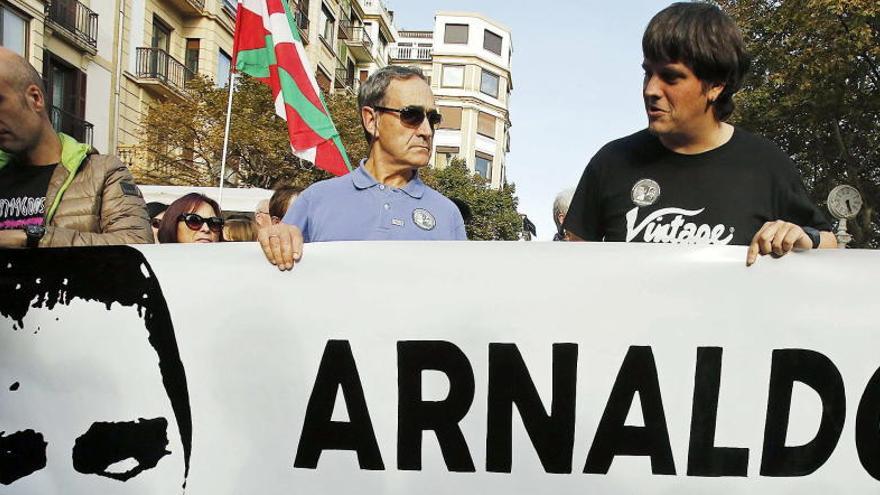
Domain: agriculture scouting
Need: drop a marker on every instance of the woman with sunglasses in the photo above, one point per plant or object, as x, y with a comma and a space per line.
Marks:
191, 218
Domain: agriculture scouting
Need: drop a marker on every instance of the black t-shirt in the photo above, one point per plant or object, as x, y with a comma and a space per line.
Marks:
636, 190
23, 194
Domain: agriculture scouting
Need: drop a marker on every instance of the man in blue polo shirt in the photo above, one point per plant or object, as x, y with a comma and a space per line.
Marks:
384, 199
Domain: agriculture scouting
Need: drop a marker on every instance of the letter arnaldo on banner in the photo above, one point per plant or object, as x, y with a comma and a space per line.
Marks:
510, 368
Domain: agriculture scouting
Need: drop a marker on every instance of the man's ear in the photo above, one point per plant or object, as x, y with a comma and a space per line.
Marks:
35, 99
714, 91
370, 121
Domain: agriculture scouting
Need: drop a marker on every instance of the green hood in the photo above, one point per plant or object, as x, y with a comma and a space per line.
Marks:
73, 154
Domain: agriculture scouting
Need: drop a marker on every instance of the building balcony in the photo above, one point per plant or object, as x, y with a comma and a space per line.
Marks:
161, 73
380, 8
192, 7
416, 53
75, 22
358, 40
344, 79
72, 125
424, 35
302, 24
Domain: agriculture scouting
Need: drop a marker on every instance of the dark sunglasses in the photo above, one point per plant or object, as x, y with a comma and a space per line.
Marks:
414, 115
194, 222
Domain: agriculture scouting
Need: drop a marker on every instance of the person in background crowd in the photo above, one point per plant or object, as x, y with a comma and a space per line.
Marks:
281, 201
383, 199
560, 209
156, 211
692, 178
55, 191
261, 214
239, 230
191, 218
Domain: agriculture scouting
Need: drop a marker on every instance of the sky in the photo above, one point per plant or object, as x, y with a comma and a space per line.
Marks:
577, 82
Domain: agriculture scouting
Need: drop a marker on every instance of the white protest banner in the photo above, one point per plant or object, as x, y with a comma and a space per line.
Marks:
437, 368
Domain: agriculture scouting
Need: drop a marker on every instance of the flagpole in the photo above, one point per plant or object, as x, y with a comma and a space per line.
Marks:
229, 106
226, 135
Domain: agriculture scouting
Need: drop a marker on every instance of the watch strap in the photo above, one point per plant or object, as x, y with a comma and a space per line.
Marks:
814, 235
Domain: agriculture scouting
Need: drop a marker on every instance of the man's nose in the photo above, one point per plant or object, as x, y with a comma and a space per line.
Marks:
425, 129
651, 87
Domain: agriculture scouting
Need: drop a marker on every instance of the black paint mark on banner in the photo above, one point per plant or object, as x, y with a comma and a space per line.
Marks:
338, 371
44, 278
14, 387
416, 416
21, 454
638, 373
868, 427
819, 373
704, 458
105, 444
511, 385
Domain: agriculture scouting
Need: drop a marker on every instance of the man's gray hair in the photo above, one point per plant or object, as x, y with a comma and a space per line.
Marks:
372, 92
561, 204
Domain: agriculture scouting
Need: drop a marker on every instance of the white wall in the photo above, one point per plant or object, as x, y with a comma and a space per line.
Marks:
107, 14
98, 96
136, 36
474, 47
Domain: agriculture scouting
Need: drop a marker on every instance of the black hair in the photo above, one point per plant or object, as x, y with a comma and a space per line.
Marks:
702, 37
44, 278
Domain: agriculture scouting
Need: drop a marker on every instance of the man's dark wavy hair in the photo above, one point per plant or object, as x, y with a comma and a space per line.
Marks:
702, 37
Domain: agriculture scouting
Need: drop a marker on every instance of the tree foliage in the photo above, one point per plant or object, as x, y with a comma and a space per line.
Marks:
814, 89
183, 138
493, 211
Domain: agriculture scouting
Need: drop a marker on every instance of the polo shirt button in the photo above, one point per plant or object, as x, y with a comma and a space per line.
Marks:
387, 206
381, 187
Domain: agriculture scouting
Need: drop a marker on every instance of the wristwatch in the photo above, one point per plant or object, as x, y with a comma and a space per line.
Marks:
813, 234
34, 233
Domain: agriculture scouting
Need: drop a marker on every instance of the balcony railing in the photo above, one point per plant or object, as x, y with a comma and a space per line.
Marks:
156, 64
411, 52
416, 34
302, 23
358, 41
76, 18
72, 125
378, 6
344, 78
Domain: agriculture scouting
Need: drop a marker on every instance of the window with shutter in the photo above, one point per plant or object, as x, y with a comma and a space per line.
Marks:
486, 125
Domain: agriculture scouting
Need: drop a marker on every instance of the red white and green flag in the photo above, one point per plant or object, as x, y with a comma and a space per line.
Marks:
268, 47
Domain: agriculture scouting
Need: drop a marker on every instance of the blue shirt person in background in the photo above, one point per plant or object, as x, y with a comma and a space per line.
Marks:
383, 199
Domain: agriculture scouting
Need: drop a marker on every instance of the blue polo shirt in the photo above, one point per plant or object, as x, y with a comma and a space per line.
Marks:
355, 207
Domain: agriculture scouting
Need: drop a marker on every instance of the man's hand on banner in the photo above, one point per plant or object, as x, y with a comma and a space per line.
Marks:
778, 238
282, 244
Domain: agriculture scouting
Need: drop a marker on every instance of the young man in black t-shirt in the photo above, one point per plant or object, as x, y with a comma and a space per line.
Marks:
55, 191
691, 178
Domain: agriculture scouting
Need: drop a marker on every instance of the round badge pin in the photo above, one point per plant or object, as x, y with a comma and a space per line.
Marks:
424, 219
645, 192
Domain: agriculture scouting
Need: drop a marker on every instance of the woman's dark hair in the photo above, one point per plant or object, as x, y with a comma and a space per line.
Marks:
281, 200
702, 37
185, 204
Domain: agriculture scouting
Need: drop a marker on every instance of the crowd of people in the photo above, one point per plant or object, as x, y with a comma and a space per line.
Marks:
195, 217
688, 178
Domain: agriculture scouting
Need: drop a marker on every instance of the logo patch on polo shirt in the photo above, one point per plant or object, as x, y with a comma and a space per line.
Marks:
424, 219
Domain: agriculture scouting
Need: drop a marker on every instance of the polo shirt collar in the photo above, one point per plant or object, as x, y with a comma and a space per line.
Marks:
362, 179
